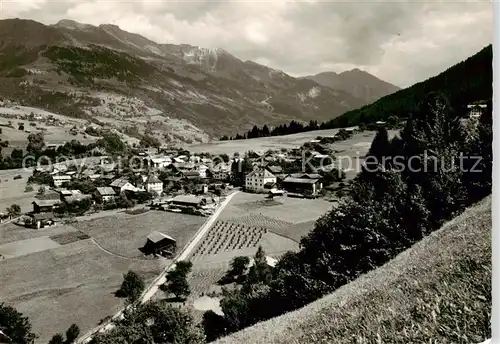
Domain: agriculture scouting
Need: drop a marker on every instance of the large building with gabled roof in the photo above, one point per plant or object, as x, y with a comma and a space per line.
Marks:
259, 180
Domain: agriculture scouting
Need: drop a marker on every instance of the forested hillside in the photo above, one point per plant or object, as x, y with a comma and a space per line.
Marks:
465, 82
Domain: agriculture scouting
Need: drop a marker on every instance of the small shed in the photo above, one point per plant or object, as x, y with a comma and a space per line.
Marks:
159, 243
275, 193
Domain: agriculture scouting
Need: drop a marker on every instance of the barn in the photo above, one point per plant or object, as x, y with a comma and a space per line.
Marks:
159, 243
303, 184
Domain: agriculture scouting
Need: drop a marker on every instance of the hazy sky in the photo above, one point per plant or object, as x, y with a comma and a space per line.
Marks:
400, 42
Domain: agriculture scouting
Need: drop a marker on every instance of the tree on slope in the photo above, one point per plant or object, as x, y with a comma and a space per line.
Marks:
57, 339
260, 272
16, 326
132, 286
379, 148
177, 283
72, 334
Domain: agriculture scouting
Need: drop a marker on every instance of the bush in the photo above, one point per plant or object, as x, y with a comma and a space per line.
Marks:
28, 188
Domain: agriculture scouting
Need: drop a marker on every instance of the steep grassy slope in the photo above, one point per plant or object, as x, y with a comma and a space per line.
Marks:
438, 291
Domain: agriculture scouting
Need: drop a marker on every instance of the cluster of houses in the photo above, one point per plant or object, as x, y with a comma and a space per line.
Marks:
266, 177
296, 184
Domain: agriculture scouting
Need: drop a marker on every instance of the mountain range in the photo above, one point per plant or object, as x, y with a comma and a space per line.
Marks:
119, 79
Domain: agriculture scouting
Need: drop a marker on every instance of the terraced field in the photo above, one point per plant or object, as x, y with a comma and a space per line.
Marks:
292, 218
227, 236
259, 220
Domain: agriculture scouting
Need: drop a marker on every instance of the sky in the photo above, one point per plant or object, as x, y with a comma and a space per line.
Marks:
399, 42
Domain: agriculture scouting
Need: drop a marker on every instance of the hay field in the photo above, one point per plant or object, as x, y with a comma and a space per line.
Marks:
287, 216
261, 143
124, 234
73, 279
12, 191
74, 283
360, 141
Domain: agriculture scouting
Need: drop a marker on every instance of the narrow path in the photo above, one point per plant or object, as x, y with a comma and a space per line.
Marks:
187, 250
153, 288
114, 254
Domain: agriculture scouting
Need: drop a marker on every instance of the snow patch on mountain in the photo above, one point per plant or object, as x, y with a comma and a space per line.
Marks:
311, 94
200, 56
314, 92
154, 50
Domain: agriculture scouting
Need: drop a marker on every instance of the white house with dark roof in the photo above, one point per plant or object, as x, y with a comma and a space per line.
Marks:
105, 194
158, 161
153, 184
221, 171
60, 179
259, 180
121, 184
202, 170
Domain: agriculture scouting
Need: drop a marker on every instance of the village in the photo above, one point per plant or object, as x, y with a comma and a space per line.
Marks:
140, 213
170, 180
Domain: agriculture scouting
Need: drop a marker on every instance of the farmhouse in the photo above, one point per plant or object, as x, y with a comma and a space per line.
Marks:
105, 194
41, 220
159, 243
275, 193
303, 184
122, 184
153, 184
188, 201
476, 110
221, 171
158, 161
45, 205
274, 169
4, 338
259, 180
59, 179
187, 174
202, 170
